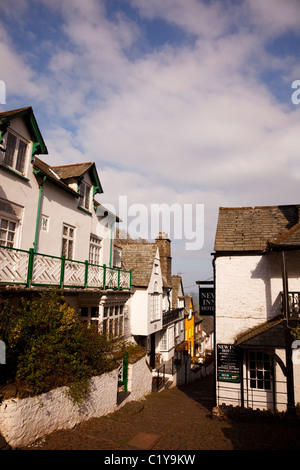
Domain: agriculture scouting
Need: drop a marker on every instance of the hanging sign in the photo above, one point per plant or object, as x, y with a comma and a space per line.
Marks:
228, 363
207, 301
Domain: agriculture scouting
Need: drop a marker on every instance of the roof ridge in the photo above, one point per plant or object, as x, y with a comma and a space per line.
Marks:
73, 164
258, 207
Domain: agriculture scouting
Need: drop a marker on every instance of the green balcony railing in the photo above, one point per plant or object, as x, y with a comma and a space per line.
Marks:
28, 268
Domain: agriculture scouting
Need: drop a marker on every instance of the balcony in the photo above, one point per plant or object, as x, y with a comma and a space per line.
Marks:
27, 268
294, 303
171, 315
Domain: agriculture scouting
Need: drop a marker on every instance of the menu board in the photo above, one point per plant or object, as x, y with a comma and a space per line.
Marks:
228, 363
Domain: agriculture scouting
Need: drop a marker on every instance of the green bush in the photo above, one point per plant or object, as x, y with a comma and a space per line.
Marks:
47, 346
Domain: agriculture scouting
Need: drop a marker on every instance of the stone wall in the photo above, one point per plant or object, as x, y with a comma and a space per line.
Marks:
22, 421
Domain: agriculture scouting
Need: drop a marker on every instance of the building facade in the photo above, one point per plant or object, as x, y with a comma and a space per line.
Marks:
155, 324
53, 231
257, 281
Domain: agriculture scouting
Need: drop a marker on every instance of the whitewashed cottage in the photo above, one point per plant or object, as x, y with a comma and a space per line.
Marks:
154, 323
257, 287
53, 232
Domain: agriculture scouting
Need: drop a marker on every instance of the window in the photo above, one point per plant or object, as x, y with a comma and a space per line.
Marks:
113, 320
95, 248
15, 155
167, 341
68, 241
154, 306
260, 368
84, 191
45, 223
90, 315
7, 232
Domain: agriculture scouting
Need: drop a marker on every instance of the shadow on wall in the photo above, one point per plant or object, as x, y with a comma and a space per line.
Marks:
270, 271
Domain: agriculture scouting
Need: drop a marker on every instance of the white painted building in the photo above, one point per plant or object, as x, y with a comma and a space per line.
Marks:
155, 325
257, 288
53, 232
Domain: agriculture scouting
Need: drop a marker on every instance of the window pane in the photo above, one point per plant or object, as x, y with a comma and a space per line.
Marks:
84, 311
94, 312
10, 149
87, 197
64, 247
70, 249
20, 164
4, 223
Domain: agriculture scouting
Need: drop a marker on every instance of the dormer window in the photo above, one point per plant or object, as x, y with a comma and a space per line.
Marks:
84, 191
15, 154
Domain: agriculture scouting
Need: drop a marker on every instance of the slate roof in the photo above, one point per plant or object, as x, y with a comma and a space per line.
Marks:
257, 228
28, 115
176, 282
47, 171
61, 175
252, 334
207, 324
139, 258
72, 171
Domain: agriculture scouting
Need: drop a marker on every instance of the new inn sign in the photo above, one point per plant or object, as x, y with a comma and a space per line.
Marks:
207, 301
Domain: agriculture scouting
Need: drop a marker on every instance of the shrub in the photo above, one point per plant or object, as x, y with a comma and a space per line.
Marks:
47, 346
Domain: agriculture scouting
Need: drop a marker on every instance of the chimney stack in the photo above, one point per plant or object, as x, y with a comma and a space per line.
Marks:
164, 246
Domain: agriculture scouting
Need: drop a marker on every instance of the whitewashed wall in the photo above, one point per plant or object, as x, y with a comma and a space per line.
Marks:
22, 192
22, 421
248, 293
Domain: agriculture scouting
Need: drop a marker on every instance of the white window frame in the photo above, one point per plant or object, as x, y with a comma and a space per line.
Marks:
95, 249
90, 314
85, 195
113, 320
6, 228
167, 341
14, 162
154, 306
70, 240
45, 223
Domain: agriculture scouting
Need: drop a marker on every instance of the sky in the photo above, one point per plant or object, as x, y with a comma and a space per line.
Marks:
182, 103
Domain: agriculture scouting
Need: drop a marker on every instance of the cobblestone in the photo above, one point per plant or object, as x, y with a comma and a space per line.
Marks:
180, 418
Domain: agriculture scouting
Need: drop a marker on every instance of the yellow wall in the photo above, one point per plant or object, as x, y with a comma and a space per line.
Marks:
189, 326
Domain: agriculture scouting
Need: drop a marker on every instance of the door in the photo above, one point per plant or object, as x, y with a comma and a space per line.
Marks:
260, 380
152, 351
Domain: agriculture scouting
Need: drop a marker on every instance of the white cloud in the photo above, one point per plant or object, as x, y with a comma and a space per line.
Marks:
191, 123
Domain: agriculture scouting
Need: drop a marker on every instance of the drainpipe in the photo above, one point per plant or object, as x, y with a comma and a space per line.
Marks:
288, 341
111, 242
38, 214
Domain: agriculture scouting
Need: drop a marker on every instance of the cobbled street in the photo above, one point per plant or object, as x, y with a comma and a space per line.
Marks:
176, 419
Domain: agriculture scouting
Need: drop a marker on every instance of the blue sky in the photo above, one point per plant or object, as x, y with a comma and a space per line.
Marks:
177, 101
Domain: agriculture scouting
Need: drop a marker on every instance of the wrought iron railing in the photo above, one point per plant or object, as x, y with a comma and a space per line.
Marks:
172, 315
28, 268
293, 302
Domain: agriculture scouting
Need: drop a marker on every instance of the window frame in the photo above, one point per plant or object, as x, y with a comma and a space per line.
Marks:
260, 369
113, 323
7, 230
17, 160
85, 196
69, 240
95, 248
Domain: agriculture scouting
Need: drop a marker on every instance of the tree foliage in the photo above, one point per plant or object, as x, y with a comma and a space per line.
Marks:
47, 346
